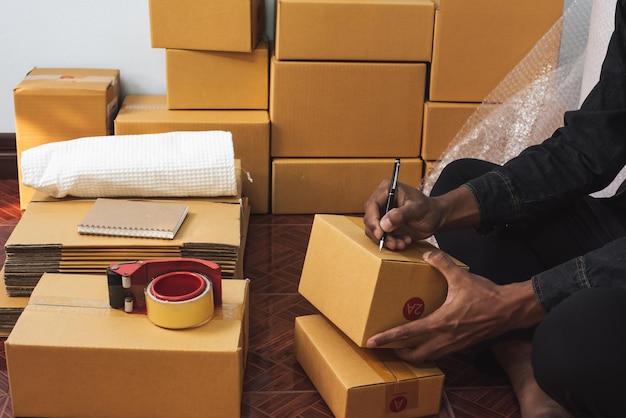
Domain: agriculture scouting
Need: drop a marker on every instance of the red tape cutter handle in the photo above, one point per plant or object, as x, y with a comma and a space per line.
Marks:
166, 281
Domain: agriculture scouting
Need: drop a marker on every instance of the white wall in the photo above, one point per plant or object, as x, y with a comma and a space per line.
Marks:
80, 33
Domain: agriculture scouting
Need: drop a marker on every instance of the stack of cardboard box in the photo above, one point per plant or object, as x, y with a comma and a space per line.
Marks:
475, 45
216, 79
347, 86
360, 291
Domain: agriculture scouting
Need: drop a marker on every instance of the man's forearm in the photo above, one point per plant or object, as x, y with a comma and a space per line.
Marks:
459, 209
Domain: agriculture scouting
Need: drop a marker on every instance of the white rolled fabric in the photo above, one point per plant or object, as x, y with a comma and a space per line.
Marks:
173, 164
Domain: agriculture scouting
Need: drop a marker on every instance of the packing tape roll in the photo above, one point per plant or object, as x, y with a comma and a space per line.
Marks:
179, 300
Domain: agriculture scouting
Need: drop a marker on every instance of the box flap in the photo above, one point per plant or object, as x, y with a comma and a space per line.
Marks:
69, 79
56, 223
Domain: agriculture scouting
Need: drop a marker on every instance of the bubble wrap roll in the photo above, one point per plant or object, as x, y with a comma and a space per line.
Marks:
174, 164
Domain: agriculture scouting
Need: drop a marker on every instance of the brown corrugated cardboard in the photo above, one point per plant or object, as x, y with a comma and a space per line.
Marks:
362, 290
217, 25
358, 382
346, 109
110, 363
476, 44
354, 30
57, 104
46, 239
146, 114
217, 80
333, 185
442, 121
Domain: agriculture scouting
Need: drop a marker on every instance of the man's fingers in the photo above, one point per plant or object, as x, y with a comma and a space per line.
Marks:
402, 332
441, 261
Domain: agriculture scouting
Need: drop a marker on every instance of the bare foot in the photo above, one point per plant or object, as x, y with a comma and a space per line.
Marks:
514, 356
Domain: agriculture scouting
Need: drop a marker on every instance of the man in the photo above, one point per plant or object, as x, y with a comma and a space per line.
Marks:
546, 291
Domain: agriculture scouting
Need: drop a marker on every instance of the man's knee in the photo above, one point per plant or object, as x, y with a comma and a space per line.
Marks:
459, 172
578, 352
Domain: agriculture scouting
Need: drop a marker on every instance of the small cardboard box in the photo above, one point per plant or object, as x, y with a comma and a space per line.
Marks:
362, 290
359, 382
217, 80
216, 25
350, 30
57, 104
346, 109
148, 114
476, 44
442, 121
70, 354
333, 185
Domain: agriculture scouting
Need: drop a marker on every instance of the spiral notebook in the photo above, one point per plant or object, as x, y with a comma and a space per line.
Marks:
133, 218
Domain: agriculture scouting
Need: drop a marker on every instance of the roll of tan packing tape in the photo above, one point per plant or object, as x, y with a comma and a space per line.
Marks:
180, 299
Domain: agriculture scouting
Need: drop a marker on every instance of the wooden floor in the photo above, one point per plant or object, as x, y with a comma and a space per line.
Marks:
275, 385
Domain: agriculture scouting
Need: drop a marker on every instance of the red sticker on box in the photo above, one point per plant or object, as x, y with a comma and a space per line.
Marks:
413, 308
398, 404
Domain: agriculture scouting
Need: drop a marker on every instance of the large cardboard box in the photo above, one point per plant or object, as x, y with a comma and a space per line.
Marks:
476, 44
148, 114
346, 109
358, 382
70, 354
442, 121
362, 290
216, 25
333, 185
57, 104
217, 80
354, 30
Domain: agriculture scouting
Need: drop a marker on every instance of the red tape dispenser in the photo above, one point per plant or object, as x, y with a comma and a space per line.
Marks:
175, 293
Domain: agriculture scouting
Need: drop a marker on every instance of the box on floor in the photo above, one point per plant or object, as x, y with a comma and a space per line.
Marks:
346, 109
148, 114
350, 30
217, 25
364, 291
99, 361
476, 44
57, 104
217, 80
333, 185
359, 382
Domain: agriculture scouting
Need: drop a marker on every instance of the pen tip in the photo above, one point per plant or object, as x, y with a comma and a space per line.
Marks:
380, 246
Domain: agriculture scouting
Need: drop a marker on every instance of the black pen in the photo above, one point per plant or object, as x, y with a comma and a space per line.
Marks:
393, 186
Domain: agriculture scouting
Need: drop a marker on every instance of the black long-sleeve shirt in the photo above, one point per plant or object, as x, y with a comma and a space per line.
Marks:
580, 158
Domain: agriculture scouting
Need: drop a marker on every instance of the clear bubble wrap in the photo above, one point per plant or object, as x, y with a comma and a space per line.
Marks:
533, 97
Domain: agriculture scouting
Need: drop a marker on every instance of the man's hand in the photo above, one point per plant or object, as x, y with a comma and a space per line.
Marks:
417, 216
475, 309
414, 217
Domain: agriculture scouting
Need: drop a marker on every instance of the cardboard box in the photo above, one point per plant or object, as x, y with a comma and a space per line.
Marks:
333, 185
442, 121
350, 30
217, 80
216, 25
109, 363
346, 109
476, 44
358, 382
57, 104
362, 290
146, 114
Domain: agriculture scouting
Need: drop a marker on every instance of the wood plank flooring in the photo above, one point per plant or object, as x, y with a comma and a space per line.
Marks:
275, 385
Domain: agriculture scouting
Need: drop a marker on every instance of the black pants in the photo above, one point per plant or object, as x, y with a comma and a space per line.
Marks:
579, 349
